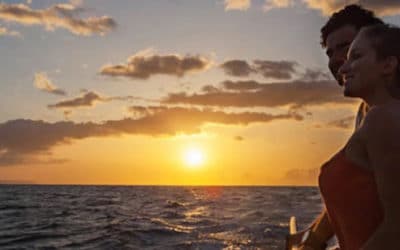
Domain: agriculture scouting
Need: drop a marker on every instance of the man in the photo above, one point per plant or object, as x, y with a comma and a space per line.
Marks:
336, 37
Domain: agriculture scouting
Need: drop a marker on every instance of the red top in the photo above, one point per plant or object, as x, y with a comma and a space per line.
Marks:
351, 199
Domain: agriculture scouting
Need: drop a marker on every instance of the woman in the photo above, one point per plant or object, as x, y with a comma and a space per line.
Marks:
361, 183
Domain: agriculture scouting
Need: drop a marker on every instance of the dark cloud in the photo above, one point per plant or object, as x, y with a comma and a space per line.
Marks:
269, 69
241, 85
88, 99
293, 93
126, 98
275, 69
57, 16
315, 75
210, 89
238, 68
145, 64
238, 86
238, 138
22, 140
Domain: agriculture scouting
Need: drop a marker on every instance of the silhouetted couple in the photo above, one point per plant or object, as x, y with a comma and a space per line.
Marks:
360, 184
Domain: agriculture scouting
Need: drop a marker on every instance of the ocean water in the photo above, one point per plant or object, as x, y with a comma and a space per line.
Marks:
151, 217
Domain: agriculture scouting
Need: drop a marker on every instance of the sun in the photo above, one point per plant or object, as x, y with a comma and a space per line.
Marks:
193, 157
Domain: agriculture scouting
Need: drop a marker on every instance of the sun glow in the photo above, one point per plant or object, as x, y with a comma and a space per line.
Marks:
193, 157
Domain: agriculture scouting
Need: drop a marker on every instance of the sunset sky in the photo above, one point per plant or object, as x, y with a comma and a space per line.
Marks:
170, 92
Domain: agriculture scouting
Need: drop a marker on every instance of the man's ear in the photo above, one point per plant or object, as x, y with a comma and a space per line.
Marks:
391, 65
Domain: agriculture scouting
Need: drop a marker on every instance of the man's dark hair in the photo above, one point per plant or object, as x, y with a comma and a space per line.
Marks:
354, 15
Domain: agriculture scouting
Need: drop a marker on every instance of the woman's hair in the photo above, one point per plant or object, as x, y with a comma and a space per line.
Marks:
385, 40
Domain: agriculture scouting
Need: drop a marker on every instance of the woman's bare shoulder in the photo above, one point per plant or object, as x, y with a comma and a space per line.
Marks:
382, 118
381, 126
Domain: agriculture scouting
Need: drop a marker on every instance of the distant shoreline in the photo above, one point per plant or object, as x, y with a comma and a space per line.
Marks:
150, 185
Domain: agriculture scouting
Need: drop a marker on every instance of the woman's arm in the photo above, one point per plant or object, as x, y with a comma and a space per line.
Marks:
381, 134
321, 229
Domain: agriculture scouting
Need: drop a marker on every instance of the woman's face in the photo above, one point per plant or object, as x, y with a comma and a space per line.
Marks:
362, 72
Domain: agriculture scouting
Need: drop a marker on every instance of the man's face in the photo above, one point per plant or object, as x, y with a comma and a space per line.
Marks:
337, 45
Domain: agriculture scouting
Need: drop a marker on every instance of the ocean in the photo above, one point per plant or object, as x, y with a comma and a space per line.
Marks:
151, 217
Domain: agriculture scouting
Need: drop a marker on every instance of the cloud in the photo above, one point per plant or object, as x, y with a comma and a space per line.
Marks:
237, 68
327, 7
76, 2
21, 141
14, 158
145, 64
269, 69
241, 85
126, 98
42, 82
67, 114
13, 182
57, 16
6, 32
275, 69
294, 93
271, 4
382, 7
344, 123
196, 117
88, 99
315, 75
210, 89
237, 4
238, 138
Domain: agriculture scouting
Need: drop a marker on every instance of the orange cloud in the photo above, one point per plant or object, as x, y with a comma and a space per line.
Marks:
42, 82
56, 16
237, 4
382, 7
22, 140
344, 123
271, 4
6, 32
